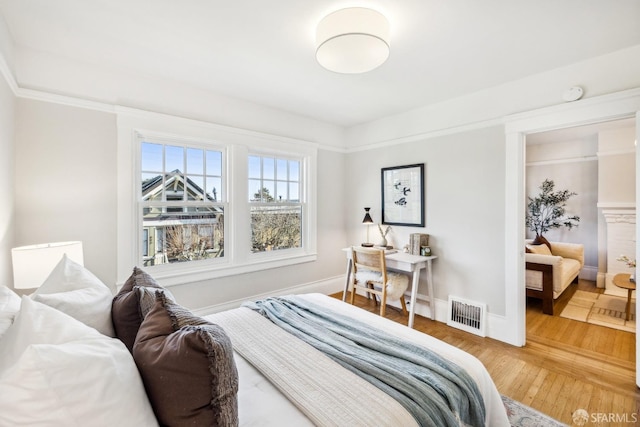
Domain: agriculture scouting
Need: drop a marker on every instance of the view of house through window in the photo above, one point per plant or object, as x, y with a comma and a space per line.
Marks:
182, 203
276, 206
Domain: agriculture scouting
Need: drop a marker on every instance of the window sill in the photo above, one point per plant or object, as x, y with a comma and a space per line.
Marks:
174, 275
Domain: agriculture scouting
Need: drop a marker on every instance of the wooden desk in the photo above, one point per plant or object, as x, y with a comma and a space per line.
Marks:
623, 281
408, 263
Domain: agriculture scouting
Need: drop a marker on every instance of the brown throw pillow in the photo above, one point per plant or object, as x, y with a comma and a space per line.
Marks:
187, 367
125, 307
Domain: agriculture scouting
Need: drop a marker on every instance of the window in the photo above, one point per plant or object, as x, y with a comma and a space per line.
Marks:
276, 206
187, 204
180, 200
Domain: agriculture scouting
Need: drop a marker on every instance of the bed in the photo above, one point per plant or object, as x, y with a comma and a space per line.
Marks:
238, 367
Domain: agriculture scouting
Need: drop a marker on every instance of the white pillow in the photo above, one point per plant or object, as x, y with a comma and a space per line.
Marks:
55, 370
9, 306
74, 290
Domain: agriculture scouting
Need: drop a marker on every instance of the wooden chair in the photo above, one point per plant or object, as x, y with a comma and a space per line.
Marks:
370, 273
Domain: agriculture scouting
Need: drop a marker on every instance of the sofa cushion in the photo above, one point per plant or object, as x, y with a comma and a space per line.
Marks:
56, 371
570, 269
187, 367
539, 249
137, 295
74, 290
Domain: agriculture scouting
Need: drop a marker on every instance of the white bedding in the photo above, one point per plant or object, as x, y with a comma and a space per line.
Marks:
260, 403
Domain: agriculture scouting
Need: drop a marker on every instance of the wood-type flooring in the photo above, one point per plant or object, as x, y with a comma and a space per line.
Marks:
565, 365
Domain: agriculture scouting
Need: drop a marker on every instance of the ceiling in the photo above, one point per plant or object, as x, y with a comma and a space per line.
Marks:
263, 51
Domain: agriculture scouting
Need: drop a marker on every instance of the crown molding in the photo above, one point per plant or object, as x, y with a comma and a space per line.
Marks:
65, 100
427, 135
8, 75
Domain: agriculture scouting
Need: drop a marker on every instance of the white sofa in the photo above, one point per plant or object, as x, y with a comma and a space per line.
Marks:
550, 272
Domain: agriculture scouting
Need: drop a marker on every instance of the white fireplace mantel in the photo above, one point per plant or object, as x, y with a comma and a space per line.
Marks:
621, 240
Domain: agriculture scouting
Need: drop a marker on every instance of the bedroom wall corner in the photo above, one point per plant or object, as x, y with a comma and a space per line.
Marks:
65, 163
7, 180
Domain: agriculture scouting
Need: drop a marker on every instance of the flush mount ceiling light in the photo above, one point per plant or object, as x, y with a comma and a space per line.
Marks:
353, 40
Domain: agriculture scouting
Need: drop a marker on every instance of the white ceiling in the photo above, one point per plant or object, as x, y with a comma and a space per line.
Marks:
263, 51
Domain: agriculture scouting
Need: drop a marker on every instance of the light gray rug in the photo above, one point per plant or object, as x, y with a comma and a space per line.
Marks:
521, 415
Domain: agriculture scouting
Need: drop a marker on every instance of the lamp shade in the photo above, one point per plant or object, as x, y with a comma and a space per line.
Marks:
367, 218
33, 264
352, 40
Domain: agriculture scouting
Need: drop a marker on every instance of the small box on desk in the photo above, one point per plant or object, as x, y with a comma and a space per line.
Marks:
416, 241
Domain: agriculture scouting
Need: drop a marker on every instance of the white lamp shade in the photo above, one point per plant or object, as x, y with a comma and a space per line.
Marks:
33, 264
352, 40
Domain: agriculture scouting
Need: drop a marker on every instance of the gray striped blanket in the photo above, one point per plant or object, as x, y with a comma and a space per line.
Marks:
435, 391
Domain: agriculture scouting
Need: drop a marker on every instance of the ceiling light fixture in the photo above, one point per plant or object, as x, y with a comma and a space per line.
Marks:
353, 40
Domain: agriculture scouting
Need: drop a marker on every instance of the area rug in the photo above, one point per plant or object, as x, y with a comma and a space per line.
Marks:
600, 309
521, 415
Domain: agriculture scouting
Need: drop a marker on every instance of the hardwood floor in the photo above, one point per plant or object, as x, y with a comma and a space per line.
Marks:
566, 364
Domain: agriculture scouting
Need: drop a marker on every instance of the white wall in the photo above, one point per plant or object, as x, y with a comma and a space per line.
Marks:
7, 218
464, 208
65, 180
617, 166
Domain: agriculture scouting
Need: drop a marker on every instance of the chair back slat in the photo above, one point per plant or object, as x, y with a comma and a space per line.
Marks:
371, 260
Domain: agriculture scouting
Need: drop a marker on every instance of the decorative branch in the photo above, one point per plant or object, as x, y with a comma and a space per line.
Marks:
547, 210
383, 234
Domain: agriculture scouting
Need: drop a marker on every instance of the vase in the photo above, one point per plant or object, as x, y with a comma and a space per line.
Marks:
383, 242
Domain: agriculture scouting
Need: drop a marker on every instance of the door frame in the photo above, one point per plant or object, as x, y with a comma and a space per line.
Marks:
614, 106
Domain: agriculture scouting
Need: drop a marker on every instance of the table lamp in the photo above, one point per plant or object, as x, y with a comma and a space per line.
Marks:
33, 264
367, 221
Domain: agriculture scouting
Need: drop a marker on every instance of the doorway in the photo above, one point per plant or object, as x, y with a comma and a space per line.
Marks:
589, 111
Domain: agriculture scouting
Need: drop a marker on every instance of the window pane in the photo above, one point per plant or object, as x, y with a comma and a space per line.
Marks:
174, 158
268, 191
214, 163
214, 189
183, 234
254, 167
294, 170
151, 157
195, 187
254, 190
275, 227
151, 186
174, 187
281, 191
281, 169
268, 168
294, 193
195, 161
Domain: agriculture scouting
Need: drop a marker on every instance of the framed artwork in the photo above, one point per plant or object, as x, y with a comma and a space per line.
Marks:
403, 195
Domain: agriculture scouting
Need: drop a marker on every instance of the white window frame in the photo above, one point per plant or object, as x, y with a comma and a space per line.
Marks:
303, 202
154, 138
134, 125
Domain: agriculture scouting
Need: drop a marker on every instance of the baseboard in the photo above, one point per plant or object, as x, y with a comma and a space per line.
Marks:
589, 273
326, 287
497, 326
